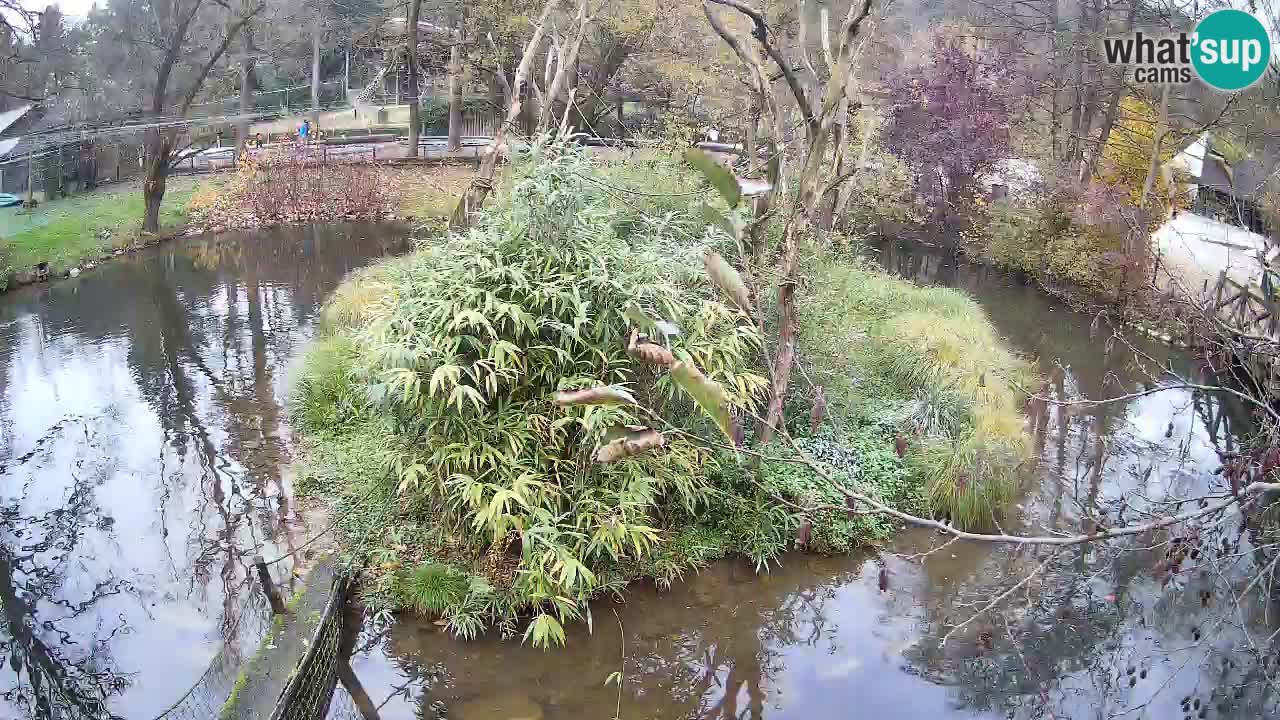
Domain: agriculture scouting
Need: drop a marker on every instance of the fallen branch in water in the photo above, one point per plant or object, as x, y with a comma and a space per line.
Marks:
869, 505
998, 599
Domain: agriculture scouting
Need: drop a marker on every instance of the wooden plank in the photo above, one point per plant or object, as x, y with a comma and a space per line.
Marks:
1220, 303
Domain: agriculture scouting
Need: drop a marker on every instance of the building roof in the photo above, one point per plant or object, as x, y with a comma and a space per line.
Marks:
395, 27
1245, 179
10, 117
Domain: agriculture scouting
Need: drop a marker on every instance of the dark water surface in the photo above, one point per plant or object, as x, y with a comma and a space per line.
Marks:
1094, 634
143, 447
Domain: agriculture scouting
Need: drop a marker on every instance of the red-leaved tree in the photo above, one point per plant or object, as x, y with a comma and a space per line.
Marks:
949, 120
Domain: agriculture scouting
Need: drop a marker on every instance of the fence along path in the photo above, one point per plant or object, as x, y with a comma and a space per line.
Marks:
1253, 314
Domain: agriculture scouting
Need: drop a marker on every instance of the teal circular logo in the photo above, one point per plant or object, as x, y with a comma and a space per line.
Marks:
1231, 50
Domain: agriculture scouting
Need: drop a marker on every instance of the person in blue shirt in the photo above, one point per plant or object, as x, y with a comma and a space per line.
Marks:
304, 130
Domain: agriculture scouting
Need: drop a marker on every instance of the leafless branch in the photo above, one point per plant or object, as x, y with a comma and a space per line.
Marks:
761, 34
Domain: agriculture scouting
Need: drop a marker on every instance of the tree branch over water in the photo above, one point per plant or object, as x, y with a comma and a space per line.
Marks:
874, 506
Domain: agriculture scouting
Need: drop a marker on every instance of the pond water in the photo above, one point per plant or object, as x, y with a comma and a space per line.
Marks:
1093, 633
143, 447
144, 452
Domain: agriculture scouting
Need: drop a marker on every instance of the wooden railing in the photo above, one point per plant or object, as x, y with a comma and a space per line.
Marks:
1246, 308
1252, 316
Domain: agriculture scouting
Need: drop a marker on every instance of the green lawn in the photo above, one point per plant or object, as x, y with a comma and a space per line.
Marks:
67, 231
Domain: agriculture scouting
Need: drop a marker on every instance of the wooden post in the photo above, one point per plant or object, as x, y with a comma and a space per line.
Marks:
273, 596
364, 703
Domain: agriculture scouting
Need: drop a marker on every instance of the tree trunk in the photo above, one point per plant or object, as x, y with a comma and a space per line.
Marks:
497, 94
1088, 169
845, 192
415, 102
1093, 27
316, 21
566, 63
796, 230
158, 143
784, 357
1113, 107
455, 88
1162, 125
1055, 74
482, 184
159, 146
1055, 122
839, 141
246, 91
1077, 101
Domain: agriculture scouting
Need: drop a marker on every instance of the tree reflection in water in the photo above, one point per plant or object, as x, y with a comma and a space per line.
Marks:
713, 647
162, 374
56, 672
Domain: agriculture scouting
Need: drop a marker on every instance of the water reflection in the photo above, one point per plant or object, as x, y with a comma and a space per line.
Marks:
1071, 637
1087, 632
725, 644
144, 436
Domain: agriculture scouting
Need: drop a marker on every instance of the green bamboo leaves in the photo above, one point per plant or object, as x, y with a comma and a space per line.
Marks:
707, 393
544, 632
720, 177
521, 411
646, 322
730, 223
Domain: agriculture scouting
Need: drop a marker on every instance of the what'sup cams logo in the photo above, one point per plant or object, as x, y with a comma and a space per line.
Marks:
1229, 50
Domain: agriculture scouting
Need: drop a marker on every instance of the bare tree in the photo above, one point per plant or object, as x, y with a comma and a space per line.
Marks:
173, 21
818, 118
248, 63
455, 89
564, 59
317, 29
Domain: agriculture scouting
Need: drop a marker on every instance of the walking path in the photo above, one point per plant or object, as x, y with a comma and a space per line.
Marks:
1195, 250
266, 675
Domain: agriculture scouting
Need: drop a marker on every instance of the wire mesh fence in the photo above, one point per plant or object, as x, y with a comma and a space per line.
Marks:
311, 686
333, 94
67, 165
242, 629
65, 168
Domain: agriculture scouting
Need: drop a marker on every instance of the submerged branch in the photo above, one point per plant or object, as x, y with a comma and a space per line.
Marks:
874, 506
999, 598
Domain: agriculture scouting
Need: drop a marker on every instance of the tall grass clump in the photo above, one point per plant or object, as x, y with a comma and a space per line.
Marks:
458, 353
922, 368
326, 395
349, 305
432, 588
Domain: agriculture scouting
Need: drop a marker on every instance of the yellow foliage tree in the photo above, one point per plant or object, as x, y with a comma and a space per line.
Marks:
1126, 158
